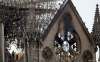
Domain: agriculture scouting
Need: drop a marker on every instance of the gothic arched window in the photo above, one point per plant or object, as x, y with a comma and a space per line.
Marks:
69, 42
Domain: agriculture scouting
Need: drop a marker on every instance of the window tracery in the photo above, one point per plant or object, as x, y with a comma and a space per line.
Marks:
69, 43
47, 53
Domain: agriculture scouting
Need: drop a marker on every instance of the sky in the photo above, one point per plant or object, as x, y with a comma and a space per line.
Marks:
86, 9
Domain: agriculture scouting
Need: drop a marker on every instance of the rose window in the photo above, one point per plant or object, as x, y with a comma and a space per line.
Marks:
70, 45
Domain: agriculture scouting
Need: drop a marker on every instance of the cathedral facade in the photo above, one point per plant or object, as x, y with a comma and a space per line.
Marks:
66, 38
69, 27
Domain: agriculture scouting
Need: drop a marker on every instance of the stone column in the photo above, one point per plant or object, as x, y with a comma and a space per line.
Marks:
1, 42
99, 54
25, 51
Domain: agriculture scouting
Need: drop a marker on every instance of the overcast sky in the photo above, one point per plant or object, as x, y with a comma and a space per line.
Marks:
86, 9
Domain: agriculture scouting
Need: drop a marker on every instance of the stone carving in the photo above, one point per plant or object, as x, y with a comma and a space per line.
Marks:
47, 53
87, 56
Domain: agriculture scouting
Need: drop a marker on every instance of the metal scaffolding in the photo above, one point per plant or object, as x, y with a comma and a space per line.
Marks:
23, 17
39, 13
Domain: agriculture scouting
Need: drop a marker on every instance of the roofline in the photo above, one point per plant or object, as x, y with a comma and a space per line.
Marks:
54, 20
82, 23
78, 17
